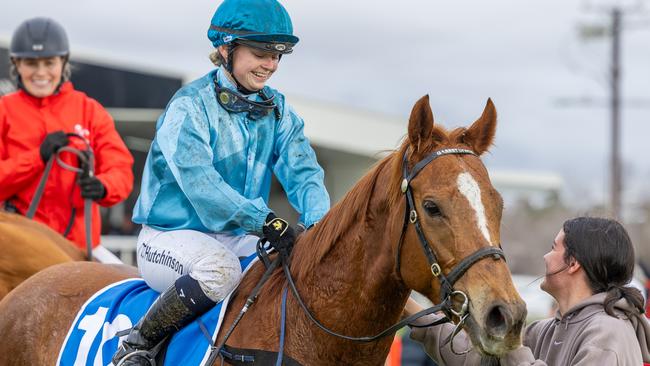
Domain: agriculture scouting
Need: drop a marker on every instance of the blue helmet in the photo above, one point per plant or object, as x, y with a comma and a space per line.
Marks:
263, 24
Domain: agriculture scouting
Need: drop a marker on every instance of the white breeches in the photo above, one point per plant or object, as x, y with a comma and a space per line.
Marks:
211, 259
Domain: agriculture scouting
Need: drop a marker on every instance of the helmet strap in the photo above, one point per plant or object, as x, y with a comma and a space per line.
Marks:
66, 58
229, 62
229, 67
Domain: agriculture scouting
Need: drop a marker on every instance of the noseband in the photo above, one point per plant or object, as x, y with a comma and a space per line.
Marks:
447, 292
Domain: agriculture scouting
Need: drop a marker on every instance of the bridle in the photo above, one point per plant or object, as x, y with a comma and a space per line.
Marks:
447, 291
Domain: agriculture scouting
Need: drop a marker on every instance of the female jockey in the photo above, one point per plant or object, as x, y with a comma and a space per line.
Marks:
207, 177
38, 119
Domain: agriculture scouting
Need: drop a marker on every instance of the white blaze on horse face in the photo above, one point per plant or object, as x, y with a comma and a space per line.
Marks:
469, 188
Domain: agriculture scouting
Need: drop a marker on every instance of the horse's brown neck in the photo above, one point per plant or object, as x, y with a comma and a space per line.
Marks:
354, 283
344, 271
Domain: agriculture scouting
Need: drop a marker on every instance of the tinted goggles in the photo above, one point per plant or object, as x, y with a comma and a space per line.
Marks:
238, 103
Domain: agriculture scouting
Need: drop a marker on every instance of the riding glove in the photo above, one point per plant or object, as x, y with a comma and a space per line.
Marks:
92, 188
53, 142
279, 233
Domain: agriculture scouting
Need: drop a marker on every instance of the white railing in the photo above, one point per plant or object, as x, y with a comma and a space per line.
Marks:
121, 245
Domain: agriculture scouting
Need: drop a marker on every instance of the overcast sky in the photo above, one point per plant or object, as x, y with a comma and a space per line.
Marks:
383, 55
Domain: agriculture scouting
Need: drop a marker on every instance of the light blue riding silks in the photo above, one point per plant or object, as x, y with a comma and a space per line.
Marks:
210, 170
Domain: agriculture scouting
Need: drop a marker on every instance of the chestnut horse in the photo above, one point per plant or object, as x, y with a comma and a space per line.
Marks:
354, 270
26, 247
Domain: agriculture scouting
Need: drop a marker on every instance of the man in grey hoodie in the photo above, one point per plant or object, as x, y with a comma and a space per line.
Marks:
600, 319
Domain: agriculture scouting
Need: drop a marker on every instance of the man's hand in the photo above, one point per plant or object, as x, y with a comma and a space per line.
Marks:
52, 142
92, 188
279, 233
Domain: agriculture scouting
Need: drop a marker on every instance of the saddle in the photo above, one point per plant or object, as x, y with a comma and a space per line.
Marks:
108, 315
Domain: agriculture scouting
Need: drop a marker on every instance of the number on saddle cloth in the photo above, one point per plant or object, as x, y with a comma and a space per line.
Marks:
99, 325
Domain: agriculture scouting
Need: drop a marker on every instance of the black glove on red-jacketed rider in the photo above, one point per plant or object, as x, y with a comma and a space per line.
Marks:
53, 142
92, 188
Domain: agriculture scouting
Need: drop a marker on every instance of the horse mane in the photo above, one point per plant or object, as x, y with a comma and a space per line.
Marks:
351, 209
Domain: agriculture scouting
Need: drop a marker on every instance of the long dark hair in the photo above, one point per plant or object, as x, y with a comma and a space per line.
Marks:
604, 250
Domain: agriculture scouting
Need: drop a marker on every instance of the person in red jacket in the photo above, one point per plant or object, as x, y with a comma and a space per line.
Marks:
39, 119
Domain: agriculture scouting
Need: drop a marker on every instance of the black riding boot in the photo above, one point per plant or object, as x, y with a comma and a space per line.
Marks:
168, 314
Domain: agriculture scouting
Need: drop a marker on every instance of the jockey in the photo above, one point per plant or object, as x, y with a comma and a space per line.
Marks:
35, 122
207, 177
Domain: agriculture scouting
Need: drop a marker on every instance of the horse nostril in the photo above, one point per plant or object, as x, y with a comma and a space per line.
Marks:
496, 322
520, 316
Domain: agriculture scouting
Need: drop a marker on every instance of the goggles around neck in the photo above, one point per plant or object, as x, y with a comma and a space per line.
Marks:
235, 102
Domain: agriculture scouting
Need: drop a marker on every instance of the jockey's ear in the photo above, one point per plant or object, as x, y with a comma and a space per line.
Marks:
480, 135
420, 125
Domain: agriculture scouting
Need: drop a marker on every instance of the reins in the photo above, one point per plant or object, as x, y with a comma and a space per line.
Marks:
447, 294
280, 259
86, 157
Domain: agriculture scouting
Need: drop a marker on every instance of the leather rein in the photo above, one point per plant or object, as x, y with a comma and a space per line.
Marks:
447, 294
86, 157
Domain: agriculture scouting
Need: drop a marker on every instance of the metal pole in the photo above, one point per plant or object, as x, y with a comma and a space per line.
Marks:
616, 180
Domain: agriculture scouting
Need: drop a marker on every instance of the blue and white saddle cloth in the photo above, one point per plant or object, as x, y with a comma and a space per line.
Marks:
92, 340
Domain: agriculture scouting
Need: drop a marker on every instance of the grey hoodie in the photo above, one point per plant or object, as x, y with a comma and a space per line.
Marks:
585, 335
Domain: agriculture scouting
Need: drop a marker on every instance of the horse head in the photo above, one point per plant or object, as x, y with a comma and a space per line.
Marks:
454, 214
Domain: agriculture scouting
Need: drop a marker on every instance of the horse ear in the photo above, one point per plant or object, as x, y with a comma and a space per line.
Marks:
480, 135
420, 124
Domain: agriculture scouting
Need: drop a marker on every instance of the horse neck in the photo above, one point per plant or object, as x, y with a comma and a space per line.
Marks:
356, 269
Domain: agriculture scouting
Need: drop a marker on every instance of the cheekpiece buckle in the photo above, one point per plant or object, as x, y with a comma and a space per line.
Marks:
413, 217
405, 185
435, 269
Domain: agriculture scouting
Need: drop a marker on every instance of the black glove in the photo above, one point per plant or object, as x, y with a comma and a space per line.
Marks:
279, 233
53, 142
92, 188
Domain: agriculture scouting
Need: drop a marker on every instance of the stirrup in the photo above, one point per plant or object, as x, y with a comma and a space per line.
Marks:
148, 355
143, 354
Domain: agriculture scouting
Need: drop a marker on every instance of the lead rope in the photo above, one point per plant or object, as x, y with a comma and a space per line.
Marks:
87, 159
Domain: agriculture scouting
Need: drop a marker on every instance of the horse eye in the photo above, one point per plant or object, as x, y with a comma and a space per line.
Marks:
431, 208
